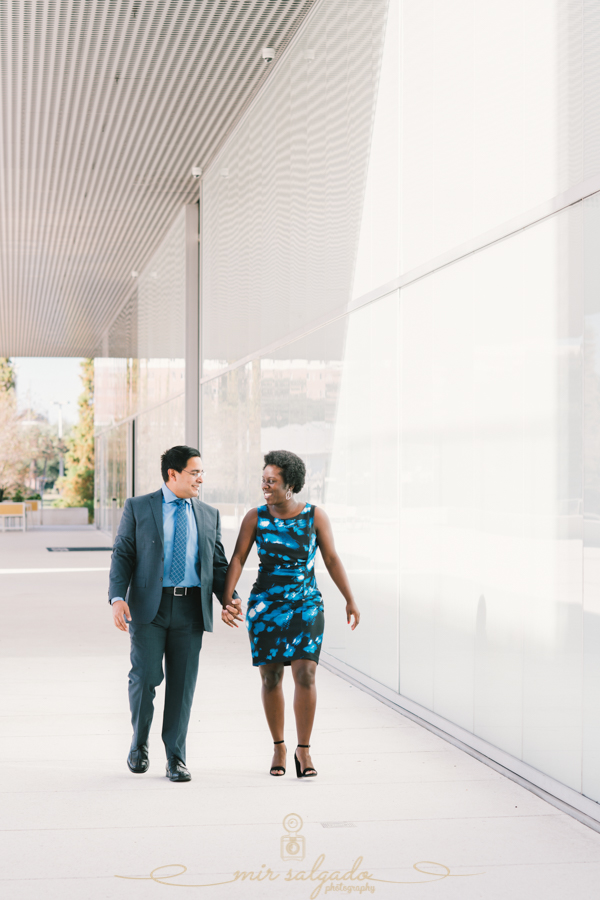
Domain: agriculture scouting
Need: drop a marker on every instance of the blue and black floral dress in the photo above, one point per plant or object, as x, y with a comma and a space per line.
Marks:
285, 615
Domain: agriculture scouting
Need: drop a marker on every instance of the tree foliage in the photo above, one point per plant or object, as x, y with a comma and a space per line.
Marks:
7, 375
77, 487
14, 459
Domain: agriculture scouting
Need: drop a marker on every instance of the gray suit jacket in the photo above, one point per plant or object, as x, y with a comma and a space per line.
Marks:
136, 568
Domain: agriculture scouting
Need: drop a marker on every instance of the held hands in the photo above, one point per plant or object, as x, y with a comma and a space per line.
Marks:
232, 611
121, 614
352, 610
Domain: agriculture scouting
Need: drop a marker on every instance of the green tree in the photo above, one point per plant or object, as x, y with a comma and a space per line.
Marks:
77, 487
7, 375
13, 452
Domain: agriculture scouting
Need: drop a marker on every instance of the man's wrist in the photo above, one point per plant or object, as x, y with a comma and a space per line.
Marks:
116, 599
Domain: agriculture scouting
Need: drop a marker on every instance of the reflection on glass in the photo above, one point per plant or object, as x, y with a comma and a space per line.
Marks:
111, 472
156, 431
150, 387
115, 390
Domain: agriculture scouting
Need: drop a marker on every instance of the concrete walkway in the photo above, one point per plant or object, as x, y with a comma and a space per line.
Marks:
422, 818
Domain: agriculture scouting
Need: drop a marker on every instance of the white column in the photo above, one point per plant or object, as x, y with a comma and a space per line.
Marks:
192, 327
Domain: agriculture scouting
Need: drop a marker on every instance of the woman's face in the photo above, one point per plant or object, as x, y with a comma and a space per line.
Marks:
273, 488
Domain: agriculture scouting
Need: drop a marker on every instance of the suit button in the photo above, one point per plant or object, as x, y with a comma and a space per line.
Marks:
161, 579
162, 559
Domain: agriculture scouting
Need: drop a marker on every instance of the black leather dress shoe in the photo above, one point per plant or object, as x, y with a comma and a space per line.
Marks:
137, 760
176, 771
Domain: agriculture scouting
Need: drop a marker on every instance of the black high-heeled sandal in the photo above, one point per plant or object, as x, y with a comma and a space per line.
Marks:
277, 771
309, 771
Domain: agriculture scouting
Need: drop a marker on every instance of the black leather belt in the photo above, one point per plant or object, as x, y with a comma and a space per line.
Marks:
179, 591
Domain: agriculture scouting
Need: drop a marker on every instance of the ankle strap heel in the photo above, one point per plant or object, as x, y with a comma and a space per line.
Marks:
309, 771
277, 771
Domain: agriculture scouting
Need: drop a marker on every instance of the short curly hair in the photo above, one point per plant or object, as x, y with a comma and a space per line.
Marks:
292, 468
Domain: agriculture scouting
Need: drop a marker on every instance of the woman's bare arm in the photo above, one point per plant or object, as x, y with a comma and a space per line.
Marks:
334, 564
243, 545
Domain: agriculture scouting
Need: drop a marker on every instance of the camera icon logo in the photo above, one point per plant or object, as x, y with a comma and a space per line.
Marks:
293, 846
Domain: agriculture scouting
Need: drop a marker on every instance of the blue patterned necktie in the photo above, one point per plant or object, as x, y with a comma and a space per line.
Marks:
179, 544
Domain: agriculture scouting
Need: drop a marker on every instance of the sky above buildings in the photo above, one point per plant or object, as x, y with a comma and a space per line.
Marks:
43, 380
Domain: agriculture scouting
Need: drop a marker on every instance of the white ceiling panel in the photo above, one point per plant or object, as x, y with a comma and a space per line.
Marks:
105, 105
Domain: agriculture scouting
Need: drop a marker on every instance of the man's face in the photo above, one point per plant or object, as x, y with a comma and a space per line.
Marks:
186, 484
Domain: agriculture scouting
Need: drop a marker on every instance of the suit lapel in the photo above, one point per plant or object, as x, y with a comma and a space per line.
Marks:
200, 523
156, 501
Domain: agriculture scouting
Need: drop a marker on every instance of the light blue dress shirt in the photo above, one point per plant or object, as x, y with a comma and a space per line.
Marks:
191, 576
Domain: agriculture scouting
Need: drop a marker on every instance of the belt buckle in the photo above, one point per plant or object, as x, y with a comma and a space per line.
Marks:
182, 589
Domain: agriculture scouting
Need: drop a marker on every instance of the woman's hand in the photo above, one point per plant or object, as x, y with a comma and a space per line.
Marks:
352, 610
232, 610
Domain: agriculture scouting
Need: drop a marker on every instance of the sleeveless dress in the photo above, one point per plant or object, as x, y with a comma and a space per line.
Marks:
285, 616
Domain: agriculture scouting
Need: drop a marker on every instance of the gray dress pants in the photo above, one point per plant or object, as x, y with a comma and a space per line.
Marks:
175, 634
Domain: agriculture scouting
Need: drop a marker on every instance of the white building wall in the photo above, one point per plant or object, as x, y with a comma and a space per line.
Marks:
401, 277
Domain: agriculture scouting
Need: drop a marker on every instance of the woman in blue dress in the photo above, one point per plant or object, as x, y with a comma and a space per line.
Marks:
285, 610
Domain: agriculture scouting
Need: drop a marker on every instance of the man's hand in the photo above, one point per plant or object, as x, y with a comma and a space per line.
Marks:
121, 613
232, 610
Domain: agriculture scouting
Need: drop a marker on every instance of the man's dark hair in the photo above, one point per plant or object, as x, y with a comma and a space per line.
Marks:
176, 458
293, 470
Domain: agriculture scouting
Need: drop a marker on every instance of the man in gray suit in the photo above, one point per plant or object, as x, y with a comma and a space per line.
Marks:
167, 562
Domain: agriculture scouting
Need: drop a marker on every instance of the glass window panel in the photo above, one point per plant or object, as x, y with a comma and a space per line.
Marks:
325, 398
161, 297
151, 385
111, 474
155, 431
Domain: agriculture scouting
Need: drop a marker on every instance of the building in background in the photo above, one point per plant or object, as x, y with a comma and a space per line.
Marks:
391, 268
